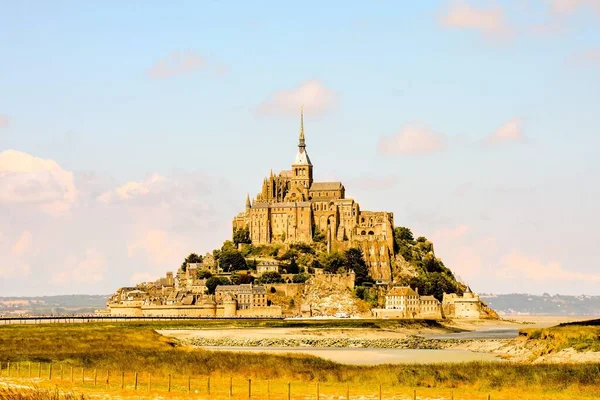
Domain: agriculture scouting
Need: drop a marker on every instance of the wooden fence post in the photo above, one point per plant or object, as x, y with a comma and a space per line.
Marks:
50, 372
149, 381
249, 388
82, 375
29, 369
122, 380
380, 391
8, 368
318, 394
39, 370
347, 391
19, 370
230, 386
289, 390
108, 378
135, 381
208, 385
169, 387
95, 376
415, 394
62, 372
71, 374
268, 389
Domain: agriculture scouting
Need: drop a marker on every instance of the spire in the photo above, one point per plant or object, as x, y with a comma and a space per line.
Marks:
248, 204
302, 142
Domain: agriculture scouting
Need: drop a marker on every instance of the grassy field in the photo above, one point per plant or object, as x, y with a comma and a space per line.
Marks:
582, 336
136, 347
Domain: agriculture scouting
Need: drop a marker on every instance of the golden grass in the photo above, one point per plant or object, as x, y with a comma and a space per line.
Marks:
137, 347
580, 336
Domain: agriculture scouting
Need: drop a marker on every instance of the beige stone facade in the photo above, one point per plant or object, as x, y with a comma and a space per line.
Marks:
405, 302
466, 306
291, 207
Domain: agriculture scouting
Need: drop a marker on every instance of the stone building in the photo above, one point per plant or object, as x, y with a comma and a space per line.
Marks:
404, 302
268, 266
247, 295
466, 306
291, 207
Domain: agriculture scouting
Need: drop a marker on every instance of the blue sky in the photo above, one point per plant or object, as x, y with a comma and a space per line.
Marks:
131, 132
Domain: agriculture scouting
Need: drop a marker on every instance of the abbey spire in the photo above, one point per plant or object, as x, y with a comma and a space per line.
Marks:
302, 156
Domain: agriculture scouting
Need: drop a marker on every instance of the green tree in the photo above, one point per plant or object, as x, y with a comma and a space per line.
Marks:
404, 234
241, 235
270, 277
241, 279
318, 236
331, 262
292, 267
213, 282
203, 274
354, 261
232, 260
300, 278
192, 258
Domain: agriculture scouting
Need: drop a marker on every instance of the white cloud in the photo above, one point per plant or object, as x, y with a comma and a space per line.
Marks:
568, 6
25, 179
512, 131
412, 139
132, 190
3, 121
585, 58
140, 277
489, 21
159, 247
22, 244
88, 269
519, 266
313, 95
176, 63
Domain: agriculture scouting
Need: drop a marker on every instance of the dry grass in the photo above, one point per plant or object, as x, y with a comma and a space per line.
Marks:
582, 336
36, 394
137, 347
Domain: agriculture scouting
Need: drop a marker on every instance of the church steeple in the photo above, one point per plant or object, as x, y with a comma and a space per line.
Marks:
248, 204
302, 142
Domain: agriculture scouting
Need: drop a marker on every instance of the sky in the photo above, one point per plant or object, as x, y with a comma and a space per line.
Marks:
131, 132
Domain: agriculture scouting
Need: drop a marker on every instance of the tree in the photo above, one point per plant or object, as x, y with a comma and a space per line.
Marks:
292, 267
232, 260
300, 278
355, 261
212, 283
204, 274
241, 235
332, 262
191, 259
270, 277
402, 233
318, 236
241, 279
435, 284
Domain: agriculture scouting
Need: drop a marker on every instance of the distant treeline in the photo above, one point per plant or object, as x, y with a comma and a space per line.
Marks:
546, 304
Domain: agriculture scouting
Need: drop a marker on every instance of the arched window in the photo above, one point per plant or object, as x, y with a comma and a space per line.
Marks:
363, 233
371, 233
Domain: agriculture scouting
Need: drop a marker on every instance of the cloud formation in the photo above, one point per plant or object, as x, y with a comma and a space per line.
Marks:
511, 131
489, 21
89, 268
412, 139
176, 63
25, 179
316, 98
585, 58
568, 6
520, 266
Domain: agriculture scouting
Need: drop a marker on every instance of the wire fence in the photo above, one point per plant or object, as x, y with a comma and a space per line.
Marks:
206, 387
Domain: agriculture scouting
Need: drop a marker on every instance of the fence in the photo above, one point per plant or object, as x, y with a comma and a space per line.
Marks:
204, 387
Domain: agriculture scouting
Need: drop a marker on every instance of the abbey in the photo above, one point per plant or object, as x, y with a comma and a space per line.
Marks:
291, 207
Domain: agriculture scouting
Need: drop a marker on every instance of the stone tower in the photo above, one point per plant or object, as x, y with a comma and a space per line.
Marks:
302, 169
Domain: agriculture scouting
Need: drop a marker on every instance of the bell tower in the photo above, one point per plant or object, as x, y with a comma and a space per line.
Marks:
302, 169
